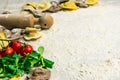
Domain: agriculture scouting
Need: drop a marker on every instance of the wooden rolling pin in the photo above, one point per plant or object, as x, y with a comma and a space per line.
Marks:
11, 21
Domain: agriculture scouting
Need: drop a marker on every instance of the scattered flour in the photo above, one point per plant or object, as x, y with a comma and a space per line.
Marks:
85, 44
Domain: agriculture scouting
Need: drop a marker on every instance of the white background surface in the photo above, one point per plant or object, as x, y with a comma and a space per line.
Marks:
85, 44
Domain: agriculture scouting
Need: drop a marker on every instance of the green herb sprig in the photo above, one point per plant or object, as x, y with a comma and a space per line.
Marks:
16, 64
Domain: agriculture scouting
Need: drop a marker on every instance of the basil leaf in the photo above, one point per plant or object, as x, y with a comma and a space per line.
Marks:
9, 75
2, 75
12, 67
20, 71
48, 63
34, 54
41, 49
1, 70
15, 55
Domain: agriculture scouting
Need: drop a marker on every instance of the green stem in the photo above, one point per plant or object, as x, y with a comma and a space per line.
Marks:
16, 63
24, 61
41, 58
1, 70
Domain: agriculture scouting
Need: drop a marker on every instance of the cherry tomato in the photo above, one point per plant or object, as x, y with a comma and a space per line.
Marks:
26, 50
1, 56
16, 45
2, 53
8, 51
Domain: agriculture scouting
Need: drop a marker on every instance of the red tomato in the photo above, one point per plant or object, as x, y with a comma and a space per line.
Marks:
8, 51
16, 45
26, 50
1, 56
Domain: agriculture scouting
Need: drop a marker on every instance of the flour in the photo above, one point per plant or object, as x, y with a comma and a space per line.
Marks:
84, 44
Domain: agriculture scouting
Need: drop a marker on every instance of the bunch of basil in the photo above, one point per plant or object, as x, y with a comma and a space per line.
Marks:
16, 64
